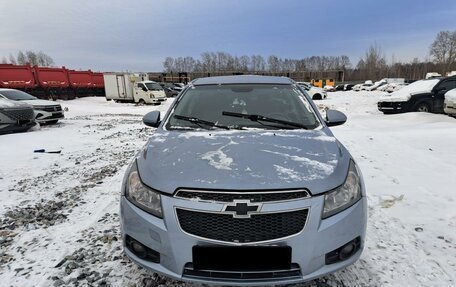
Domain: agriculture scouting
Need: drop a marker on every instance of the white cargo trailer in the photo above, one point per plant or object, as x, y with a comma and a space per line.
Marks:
132, 87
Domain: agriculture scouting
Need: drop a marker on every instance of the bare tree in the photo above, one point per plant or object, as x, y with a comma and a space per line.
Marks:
168, 64
21, 59
12, 60
443, 49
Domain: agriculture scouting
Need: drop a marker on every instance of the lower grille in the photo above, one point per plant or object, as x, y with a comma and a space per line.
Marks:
258, 228
293, 272
26, 114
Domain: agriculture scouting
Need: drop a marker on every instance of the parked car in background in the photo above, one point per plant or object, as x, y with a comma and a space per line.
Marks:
376, 85
329, 88
314, 92
15, 116
348, 87
363, 86
449, 106
46, 112
259, 197
171, 89
420, 96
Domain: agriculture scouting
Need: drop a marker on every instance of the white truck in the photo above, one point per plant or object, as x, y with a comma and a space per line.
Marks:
132, 87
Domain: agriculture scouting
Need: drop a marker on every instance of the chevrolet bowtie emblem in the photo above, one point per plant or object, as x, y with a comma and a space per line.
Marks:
242, 208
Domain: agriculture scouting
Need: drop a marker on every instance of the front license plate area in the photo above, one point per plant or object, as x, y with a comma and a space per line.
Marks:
242, 258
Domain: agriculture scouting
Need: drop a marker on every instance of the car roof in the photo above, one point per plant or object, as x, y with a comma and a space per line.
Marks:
242, 79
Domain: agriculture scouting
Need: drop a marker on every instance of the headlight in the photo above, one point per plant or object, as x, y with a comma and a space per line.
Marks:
142, 196
344, 196
152, 96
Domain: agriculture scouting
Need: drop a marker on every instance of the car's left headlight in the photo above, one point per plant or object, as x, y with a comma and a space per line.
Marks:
141, 195
344, 196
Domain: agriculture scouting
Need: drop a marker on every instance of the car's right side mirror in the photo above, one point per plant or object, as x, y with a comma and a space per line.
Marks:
152, 119
335, 118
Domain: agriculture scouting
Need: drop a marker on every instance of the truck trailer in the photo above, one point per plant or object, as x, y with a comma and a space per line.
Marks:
132, 87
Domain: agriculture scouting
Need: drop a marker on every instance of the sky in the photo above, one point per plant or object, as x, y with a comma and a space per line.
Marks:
137, 35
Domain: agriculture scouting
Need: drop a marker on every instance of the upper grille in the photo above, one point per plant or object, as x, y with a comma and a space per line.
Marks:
259, 227
227, 196
51, 108
23, 114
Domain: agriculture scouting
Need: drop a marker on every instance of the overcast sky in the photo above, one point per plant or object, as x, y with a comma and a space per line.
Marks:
137, 35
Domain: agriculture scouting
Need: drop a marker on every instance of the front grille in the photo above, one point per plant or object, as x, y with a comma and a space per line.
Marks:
228, 196
51, 108
25, 114
259, 227
293, 272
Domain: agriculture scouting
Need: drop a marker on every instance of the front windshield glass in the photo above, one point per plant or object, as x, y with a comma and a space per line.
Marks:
281, 102
16, 95
153, 87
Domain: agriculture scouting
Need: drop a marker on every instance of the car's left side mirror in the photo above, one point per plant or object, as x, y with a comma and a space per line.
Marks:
335, 118
152, 119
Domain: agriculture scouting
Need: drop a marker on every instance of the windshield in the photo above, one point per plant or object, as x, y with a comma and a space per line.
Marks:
16, 95
281, 102
153, 87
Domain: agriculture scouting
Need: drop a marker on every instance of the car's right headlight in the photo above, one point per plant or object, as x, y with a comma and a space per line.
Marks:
141, 195
344, 196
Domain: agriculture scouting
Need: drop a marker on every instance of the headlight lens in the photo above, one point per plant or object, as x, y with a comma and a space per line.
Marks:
142, 196
344, 196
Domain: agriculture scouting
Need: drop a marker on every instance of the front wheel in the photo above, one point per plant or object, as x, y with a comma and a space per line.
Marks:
316, 97
423, 107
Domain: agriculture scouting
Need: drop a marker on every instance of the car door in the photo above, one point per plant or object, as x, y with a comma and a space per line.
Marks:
439, 93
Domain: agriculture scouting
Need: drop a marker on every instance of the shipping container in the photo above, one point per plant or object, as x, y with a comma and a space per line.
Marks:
53, 83
17, 77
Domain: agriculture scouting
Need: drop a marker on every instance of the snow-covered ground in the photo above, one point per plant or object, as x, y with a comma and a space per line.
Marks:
59, 220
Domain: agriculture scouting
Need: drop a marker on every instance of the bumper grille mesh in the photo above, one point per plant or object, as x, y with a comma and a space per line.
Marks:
26, 114
257, 228
220, 196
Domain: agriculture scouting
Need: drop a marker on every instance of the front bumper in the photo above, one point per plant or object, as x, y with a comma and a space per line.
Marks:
450, 108
392, 107
309, 247
44, 116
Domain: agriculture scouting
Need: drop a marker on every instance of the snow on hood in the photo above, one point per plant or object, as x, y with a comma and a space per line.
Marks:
40, 102
451, 95
405, 93
243, 160
4, 103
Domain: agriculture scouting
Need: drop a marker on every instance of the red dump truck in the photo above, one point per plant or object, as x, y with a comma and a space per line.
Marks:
46, 82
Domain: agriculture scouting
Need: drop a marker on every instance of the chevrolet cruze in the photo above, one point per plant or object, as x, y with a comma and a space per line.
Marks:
243, 183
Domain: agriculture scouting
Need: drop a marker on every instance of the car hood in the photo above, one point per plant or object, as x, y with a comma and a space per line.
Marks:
243, 160
41, 102
9, 104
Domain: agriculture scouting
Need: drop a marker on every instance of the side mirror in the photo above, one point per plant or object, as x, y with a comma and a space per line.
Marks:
441, 89
335, 118
144, 89
152, 119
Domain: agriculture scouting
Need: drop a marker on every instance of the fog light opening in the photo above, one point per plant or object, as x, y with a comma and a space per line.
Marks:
141, 250
344, 252
347, 251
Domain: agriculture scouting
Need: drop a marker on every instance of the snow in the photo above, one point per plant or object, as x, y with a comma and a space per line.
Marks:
405, 93
408, 162
451, 95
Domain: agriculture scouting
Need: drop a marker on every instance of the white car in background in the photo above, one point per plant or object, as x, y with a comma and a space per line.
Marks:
46, 112
314, 92
449, 106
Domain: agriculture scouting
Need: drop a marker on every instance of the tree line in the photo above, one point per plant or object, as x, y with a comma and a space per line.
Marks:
372, 65
29, 57
224, 62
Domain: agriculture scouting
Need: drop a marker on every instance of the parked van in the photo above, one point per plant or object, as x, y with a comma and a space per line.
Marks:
130, 87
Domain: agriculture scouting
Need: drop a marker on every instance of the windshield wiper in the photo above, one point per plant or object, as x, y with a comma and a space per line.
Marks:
258, 118
200, 122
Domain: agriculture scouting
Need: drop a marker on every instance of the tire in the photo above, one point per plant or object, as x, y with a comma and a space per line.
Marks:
423, 107
316, 97
141, 102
